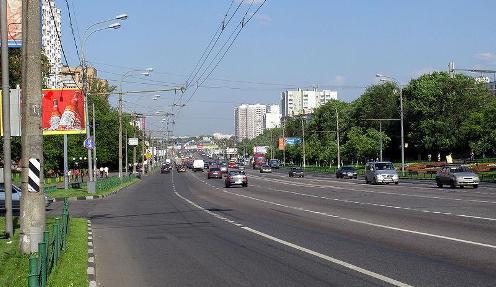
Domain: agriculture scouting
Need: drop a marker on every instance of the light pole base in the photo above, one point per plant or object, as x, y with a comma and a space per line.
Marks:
91, 186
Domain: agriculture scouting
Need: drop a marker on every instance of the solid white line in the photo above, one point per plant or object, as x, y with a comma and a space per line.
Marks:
368, 223
328, 258
300, 248
379, 205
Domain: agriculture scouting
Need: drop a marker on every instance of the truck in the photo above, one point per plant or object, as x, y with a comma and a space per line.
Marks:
258, 160
198, 165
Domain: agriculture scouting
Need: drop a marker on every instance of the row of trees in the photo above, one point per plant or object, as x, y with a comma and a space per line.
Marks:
443, 114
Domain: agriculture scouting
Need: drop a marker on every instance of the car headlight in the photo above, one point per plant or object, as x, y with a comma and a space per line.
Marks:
459, 178
379, 176
476, 178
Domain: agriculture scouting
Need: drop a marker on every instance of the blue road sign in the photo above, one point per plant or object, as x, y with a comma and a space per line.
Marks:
89, 143
292, 141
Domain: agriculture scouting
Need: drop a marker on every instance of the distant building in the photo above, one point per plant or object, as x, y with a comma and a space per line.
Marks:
72, 77
52, 47
272, 118
249, 121
220, 136
303, 102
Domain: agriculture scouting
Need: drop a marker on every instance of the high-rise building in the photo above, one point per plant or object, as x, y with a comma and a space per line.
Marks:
249, 121
52, 47
272, 118
303, 102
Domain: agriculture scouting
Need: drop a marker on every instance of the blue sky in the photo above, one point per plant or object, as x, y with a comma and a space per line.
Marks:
330, 44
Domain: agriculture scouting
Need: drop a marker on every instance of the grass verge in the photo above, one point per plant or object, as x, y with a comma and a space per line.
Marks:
59, 193
13, 265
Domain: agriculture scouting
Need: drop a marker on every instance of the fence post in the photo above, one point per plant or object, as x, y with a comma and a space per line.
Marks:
33, 271
43, 268
56, 231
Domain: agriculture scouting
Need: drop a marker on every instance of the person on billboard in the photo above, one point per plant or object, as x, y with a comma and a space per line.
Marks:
71, 120
54, 117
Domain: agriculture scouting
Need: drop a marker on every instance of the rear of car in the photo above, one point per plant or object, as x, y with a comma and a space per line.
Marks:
198, 165
236, 177
214, 172
265, 169
166, 168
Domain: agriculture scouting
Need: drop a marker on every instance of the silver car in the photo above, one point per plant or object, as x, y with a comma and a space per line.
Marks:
381, 172
457, 175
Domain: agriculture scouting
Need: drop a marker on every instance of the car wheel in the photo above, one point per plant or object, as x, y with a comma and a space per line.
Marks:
245, 185
475, 185
367, 180
438, 183
452, 184
397, 182
227, 185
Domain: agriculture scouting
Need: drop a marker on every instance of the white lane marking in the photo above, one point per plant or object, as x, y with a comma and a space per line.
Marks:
366, 222
297, 247
328, 258
378, 204
369, 191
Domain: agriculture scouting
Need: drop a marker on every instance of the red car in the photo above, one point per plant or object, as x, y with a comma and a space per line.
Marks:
232, 165
214, 172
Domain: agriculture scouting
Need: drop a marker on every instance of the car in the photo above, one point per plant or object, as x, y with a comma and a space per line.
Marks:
223, 168
165, 168
236, 177
16, 197
346, 172
265, 169
275, 163
232, 165
214, 172
181, 168
380, 172
296, 171
457, 175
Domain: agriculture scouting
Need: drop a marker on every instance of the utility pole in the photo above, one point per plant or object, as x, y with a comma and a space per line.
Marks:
284, 142
380, 141
402, 132
143, 148
134, 147
337, 137
303, 140
32, 215
7, 170
127, 172
94, 139
66, 165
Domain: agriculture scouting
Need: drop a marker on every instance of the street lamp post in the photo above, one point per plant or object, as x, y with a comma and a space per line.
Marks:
401, 119
145, 72
91, 183
303, 140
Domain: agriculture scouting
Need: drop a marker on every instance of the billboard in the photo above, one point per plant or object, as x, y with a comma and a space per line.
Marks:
292, 141
282, 144
15, 113
62, 112
132, 141
260, 149
14, 22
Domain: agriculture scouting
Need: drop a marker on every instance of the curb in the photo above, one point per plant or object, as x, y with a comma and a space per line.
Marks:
91, 258
88, 197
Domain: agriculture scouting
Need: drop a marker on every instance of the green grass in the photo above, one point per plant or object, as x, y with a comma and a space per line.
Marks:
83, 191
13, 265
71, 269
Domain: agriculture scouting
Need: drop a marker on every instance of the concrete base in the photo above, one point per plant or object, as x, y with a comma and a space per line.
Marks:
91, 186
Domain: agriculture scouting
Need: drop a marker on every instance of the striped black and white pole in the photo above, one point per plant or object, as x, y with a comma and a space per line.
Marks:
34, 175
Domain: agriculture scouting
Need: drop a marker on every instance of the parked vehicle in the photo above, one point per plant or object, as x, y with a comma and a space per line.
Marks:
214, 172
265, 169
381, 172
275, 163
198, 165
457, 175
346, 172
296, 171
16, 197
236, 177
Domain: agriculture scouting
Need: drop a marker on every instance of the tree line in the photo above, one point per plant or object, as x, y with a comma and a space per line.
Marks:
443, 114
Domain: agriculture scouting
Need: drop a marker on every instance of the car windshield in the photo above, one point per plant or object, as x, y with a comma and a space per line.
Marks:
384, 166
347, 168
297, 169
236, 172
214, 169
457, 169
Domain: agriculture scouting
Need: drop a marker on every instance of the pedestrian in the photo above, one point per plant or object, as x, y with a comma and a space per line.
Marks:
429, 157
472, 156
106, 169
101, 172
438, 156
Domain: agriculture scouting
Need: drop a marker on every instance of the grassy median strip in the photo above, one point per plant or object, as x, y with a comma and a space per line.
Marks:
60, 193
70, 270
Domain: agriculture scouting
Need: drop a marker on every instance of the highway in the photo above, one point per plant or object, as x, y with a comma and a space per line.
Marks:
185, 230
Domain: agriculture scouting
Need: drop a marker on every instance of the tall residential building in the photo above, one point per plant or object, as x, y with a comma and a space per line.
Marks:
249, 121
303, 102
272, 117
52, 47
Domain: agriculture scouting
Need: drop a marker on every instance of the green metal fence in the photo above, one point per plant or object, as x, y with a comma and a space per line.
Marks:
49, 250
111, 182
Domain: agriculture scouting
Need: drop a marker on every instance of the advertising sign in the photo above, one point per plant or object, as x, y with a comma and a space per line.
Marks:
14, 22
15, 113
292, 141
260, 149
63, 112
231, 151
132, 141
282, 145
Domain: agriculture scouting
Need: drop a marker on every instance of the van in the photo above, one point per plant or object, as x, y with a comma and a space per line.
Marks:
198, 165
381, 172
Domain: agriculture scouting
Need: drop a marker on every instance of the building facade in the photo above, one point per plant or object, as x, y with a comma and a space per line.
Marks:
272, 118
52, 46
304, 102
249, 121
72, 77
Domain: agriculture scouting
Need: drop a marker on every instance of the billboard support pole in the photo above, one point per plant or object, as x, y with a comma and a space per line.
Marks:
7, 170
94, 140
127, 173
66, 166
32, 215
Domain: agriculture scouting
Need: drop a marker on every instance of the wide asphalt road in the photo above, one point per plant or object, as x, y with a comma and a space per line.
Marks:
184, 230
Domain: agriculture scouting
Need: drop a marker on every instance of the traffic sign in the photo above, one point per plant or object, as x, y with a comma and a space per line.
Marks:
89, 143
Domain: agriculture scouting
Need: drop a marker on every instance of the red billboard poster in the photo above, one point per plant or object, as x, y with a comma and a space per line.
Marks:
63, 112
14, 20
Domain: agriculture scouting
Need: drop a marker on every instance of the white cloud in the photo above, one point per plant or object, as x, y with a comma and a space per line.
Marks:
339, 79
486, 56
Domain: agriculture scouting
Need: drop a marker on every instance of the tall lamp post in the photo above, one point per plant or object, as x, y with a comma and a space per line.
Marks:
144, 72
397, 83
88, 33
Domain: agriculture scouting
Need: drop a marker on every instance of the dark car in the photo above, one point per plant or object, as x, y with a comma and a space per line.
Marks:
346, 172
274, 163
296, 171
214, 172
457, 175
236, 177
181, 168
165, 168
